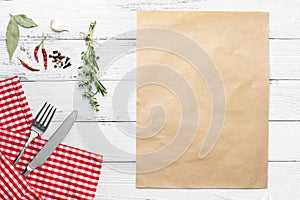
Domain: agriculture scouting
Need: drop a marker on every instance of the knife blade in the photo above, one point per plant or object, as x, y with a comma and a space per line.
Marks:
52, 143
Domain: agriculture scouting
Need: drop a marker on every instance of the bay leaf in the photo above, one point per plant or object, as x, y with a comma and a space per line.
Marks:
24, 21
12, 37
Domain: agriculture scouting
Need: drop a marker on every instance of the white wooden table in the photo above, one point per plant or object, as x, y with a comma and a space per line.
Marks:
115, 17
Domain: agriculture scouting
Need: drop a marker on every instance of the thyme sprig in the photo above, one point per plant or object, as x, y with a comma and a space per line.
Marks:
89, 70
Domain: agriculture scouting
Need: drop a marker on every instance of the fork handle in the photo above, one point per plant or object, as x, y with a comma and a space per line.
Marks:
33, 135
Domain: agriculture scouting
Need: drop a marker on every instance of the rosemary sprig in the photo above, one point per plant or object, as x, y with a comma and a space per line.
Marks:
89, 70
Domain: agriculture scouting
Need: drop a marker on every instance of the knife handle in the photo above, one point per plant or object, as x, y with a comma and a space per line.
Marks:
27, 171
33, 135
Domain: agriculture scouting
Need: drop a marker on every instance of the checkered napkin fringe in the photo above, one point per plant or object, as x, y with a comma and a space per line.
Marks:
69, 173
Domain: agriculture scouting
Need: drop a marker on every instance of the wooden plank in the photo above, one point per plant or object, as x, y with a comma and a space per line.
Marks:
66, 96
284, 180
117, 59
284, 139
76, 17
284, 100
118, 16
285, 59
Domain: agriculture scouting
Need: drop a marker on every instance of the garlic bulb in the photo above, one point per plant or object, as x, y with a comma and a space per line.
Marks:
57, 26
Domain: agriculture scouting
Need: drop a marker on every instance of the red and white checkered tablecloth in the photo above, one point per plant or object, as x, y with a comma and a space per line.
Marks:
13, 184
69, 173
15, 114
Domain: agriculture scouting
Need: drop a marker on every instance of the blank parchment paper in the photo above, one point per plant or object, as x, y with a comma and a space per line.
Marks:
202, 99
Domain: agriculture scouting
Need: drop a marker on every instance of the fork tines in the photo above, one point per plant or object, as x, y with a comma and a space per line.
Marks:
38, 126
46, 117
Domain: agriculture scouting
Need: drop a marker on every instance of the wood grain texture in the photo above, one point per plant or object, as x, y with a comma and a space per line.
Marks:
284, 100
66, 96
284, 141
283, 144
117, 59
284, 181
115, 18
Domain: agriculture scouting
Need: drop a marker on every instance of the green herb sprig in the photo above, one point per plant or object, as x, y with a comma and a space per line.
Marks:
89, 70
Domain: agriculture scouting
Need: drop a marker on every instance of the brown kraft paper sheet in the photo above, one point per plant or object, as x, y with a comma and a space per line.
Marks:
202, 99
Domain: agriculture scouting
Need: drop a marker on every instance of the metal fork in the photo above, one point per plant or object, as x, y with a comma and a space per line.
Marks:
38, 127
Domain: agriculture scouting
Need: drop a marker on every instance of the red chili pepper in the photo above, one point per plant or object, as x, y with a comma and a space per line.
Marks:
27, 66
45, 58
44, 52
36, 49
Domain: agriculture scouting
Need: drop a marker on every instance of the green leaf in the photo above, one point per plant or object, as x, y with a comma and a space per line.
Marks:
24, 21
12, 37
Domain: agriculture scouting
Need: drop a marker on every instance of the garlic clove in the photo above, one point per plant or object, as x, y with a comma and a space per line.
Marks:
57, 26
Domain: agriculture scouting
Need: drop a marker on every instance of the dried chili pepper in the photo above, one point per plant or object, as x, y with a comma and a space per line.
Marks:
36, 49
27, 66
45, 58
44, 52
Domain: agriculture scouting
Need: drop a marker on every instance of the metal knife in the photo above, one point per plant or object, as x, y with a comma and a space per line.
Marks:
52, 143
